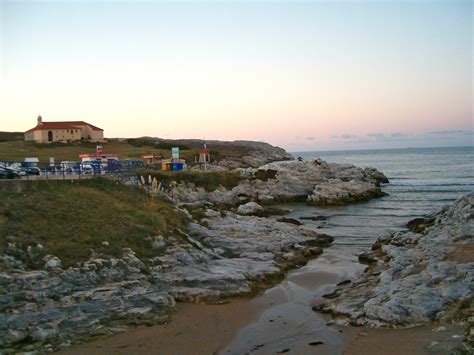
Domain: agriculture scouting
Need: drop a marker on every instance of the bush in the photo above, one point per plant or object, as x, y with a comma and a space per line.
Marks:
209, 180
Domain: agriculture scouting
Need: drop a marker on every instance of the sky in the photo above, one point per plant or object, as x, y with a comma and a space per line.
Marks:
304, 75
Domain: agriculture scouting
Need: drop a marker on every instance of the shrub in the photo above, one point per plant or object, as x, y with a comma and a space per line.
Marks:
209, 180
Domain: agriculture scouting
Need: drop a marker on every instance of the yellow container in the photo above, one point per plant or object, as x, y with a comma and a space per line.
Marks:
164, 166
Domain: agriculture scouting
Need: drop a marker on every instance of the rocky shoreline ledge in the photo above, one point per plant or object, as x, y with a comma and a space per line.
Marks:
49, 308
229, 250
421, 276
316, 182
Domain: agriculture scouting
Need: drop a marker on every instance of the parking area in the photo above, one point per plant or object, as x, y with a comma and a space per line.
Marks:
67, 170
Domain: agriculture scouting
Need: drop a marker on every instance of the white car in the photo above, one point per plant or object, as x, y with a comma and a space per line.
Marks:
68, 167
90, 166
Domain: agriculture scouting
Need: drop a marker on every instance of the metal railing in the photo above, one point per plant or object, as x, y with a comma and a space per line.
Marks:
63, 171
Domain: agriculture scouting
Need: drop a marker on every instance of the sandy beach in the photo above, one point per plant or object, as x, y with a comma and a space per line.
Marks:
208, 329
194, 329
250, 325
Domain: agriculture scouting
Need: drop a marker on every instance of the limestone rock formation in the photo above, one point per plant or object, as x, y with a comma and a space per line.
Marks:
233, 256
337, 192
250, 209
317, 182
418, 277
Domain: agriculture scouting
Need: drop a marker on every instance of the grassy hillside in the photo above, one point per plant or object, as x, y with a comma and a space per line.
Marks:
11, 136
127, 148
69, 219
18, 150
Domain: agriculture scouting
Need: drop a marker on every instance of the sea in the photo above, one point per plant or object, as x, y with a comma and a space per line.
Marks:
422, 181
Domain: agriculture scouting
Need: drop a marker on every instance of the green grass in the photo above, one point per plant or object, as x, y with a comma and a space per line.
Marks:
71, 219
18, 150
209, 180
126, 148
13, 149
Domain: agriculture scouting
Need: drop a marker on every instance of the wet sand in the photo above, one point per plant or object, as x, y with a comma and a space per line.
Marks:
411, 341
279, 320
207, 329
194, 329
227, 328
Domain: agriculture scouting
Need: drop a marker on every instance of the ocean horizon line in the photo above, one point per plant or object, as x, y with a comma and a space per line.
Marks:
379, 149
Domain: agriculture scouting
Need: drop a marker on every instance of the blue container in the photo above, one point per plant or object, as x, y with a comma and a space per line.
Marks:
177, 166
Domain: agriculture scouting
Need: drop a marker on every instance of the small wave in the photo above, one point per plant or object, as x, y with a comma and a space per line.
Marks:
435, 184
428, 199
370, 232
360, 232
414, 191
399, 207
338, 242
352, 238
377, 216
391, 178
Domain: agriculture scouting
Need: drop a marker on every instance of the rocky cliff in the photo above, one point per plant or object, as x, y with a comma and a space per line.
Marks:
422, 275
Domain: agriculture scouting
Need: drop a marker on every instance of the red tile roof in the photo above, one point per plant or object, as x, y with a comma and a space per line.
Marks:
63, 125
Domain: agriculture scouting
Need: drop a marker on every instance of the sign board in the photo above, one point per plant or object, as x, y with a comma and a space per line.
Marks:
175, 152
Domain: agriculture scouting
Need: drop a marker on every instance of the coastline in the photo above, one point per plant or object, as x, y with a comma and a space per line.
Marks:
203, 328
227, 252
258, 322
211, 329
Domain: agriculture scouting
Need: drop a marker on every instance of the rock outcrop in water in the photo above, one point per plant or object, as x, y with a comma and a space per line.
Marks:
233, 256
337, 192
317, 182
415, 278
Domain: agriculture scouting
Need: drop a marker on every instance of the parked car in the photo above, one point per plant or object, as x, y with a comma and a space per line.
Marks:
30, 170
112, 165
90, 166
15, 166
69, 167
134, 164
7, 173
